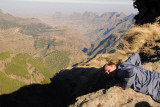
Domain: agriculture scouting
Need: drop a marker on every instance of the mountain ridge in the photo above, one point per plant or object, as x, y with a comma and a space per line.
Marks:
21, 53
25, 27
107, 34
88, 23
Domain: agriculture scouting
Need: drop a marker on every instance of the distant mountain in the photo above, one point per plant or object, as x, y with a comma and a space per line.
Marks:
110, 35
73, 42
91, 24
31, 26
39, 44
112, 25
105, 45
98, 29
32, 52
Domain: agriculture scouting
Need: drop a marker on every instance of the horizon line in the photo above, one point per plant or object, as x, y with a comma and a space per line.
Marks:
80, 2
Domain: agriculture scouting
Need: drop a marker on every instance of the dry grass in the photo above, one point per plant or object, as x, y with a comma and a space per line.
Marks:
139, 35
155, 67
15, 42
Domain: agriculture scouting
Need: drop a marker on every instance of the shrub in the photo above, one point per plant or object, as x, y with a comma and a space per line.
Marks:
57, 60
39, 66
4, 55
8, 85
42, 42
18, 66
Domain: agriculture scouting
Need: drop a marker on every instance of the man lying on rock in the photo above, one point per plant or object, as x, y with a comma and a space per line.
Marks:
132, 75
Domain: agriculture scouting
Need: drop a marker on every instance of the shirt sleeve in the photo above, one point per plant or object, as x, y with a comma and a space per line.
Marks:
127, 70
128, 78
133, 60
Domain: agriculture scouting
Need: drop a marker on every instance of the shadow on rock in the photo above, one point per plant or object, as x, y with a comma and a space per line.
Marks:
143, 104
65, 87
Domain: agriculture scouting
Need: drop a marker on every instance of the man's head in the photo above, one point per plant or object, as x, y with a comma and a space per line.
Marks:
110, 67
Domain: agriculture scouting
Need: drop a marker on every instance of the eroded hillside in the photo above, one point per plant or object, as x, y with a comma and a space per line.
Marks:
29, 55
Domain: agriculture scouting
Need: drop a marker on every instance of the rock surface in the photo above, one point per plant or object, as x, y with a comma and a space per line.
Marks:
115, 97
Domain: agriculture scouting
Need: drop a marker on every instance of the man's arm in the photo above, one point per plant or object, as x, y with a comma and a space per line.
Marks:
127, 82
127, 70
134, 60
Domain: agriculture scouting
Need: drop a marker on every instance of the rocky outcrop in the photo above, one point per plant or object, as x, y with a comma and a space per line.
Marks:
148, 11
115, 97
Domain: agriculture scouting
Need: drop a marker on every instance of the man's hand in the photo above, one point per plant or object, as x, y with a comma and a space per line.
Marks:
121, 87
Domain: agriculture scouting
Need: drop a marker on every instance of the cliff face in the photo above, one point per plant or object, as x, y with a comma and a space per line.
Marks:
108, 36
88, 86
148, 11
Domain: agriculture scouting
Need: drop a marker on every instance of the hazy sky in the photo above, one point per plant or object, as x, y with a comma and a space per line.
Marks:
85, 1
37, 7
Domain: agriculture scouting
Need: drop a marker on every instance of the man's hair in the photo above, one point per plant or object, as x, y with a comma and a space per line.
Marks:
109, 63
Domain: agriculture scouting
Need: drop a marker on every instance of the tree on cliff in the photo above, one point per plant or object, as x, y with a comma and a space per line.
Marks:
148, 11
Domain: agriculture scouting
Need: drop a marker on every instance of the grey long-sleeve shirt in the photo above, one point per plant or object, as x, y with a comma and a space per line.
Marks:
132, 75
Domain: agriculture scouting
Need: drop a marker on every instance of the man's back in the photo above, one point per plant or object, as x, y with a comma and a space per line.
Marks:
132, 75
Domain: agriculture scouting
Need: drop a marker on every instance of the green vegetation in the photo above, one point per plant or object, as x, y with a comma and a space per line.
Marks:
52, 63
22, 63
4, 55
18, 66
34, 29
58, 60
8, 85
42, 42
39, 66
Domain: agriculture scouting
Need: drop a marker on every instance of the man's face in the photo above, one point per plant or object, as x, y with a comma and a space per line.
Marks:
110, 68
